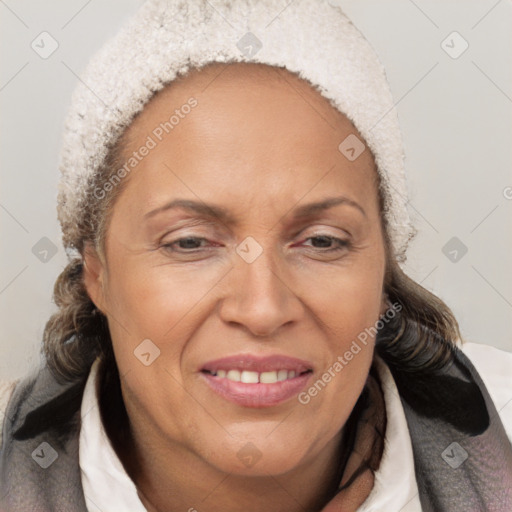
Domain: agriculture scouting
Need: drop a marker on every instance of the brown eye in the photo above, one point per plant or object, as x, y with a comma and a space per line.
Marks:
325, 242
187, 244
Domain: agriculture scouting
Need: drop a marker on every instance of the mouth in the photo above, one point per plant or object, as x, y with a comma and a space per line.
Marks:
256, 382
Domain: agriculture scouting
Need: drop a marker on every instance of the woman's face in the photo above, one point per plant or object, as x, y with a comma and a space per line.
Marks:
259, 285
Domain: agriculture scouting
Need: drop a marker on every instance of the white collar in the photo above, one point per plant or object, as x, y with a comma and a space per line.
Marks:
108, 488
395, 486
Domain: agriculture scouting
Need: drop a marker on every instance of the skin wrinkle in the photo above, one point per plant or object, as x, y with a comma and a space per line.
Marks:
258, 149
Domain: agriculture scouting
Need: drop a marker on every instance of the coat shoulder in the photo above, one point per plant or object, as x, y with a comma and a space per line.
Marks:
6, 389
494, 366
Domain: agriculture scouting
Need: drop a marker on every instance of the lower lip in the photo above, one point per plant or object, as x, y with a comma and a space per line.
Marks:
257, 395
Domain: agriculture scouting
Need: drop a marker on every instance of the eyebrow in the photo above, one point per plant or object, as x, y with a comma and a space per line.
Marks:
223, 215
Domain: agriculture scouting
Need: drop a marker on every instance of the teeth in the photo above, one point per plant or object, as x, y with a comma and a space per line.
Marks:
282, 375
268, 377
233, 375
248, 377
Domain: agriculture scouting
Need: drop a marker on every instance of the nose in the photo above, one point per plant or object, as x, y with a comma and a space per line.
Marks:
260, 296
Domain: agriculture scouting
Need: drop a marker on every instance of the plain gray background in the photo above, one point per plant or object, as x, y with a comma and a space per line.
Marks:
455, 115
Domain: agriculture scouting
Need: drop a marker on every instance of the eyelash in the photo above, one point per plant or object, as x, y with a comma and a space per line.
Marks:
342, 244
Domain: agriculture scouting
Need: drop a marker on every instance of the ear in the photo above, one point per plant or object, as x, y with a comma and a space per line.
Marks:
94, 276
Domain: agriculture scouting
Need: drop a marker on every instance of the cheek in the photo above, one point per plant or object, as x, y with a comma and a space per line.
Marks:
348, 309
336, 387
347, 299
163, 303
152, 299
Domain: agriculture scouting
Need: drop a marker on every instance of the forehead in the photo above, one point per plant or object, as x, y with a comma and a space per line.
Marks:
250, 89
256, 131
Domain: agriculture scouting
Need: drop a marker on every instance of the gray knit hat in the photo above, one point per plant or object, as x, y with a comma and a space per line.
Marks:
312, 38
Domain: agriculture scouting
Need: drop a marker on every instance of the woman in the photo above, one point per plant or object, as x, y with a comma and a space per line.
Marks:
235, 331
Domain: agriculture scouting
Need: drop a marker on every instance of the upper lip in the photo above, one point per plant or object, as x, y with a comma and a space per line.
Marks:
258, 364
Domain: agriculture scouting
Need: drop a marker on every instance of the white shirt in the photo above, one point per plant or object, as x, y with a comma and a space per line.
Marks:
108, 488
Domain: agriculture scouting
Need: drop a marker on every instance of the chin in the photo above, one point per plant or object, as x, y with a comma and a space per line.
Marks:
256, 455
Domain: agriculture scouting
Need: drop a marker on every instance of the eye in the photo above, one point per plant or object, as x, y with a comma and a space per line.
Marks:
186, 244
324, 241
191, 244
